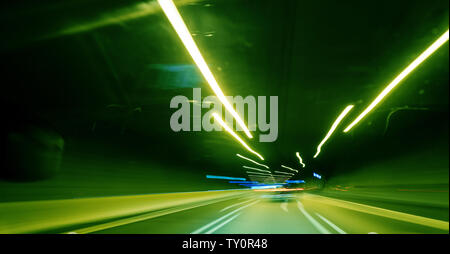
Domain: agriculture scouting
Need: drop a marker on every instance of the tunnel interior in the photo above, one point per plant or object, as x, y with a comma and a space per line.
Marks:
87, 88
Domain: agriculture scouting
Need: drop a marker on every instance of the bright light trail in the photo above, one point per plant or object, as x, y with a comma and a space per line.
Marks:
225, 177
286, 167
317, 175
281, 172
180, 27
300, 159
245, 158
265, 187
430, 50
333, 128
295, 181
227, 128
257, 169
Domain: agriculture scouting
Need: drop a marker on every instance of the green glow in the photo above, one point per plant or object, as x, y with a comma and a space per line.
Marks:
333, 128
245, 158
430, 50
286, 167
227, 128
300, 159
180, 27
257, 169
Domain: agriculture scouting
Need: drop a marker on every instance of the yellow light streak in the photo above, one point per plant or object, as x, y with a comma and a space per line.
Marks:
420, 59
281, 172
180, 27
229, 130
333, 128
300, 158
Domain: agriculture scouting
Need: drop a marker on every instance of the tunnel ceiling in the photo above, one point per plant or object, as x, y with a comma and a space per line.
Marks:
97, 71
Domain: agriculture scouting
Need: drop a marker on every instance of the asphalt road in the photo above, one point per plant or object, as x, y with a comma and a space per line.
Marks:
265, 213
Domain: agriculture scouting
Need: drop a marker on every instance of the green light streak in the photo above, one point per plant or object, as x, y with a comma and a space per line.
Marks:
281, 172
257, 169
436, 45
333, 128
286, 167
245, 158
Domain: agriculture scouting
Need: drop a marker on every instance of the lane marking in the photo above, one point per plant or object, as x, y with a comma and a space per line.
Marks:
222, 224
443, 225
331, 224
198, 231
315, 223
228, 207
284, 206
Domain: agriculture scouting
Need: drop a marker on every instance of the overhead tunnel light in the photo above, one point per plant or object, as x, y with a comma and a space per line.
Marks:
180, 27
333, 128
420, 59
227, 128
300, 159
245, 158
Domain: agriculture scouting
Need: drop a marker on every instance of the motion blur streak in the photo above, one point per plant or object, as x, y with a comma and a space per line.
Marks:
229, 130
286, 167
225, 177
283, 172
300, 159
257, 169
245, 158
333, 128
430, 50
131, 13
180, 27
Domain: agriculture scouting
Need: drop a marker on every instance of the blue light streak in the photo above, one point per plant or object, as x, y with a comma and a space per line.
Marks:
225, 177
295, 181
247, 182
